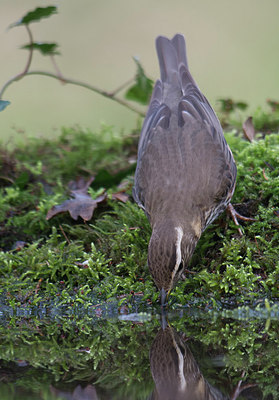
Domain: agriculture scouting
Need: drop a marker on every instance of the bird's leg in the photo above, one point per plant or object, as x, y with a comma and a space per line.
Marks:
235, 216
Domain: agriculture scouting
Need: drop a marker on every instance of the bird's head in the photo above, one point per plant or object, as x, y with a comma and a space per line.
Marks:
169, 251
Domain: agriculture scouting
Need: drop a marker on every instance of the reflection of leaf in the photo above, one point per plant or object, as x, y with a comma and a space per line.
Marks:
249, 129
4, 104
44, 48
35, 15
142, 89
81, 204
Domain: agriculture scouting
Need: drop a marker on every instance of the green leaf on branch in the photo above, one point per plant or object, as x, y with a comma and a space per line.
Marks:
142, 89
35, 15
46, 49
4, 104
241, 105
229, 105
273, 104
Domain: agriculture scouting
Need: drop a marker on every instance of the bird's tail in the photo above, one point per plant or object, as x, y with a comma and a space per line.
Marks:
172, 57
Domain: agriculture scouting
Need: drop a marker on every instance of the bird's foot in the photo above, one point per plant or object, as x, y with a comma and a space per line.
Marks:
235, 216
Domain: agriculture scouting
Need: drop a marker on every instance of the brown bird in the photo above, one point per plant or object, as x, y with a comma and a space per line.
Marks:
185, 175
175, 371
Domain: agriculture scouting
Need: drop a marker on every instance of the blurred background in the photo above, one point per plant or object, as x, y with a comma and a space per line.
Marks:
233, 51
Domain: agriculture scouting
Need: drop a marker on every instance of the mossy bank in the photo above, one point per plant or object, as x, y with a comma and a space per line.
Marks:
107, 256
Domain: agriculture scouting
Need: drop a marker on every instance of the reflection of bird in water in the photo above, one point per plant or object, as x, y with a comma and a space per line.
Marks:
186, 173
78, 393
175, 371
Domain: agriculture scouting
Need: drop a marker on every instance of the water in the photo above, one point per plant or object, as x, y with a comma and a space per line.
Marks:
125, 353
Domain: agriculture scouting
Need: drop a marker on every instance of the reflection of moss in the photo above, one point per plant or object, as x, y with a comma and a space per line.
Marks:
114, 356
238, 347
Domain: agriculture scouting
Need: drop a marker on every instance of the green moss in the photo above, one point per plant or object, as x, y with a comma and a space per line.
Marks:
60, 290
109, 254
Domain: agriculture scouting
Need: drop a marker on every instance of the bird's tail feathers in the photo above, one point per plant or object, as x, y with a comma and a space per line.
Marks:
172, 57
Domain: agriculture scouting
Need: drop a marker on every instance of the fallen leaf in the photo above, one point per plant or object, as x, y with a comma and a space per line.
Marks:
121, 196
249, 129
80, 185
81, 204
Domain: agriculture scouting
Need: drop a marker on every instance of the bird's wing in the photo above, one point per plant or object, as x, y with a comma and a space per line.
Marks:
182, 155
186, 169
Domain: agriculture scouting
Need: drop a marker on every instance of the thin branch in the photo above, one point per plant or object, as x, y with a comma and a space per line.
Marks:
59, 73
240, 388
125, 84
24, 72
60, 77
30, 52
86, 86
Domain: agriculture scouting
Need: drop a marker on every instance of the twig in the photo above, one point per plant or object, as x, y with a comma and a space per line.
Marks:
237, 390
121, 87
60, 77
30, 52
64, 234
89, 87
26, 69
240, 389
38, 285
264, 175
59, 73
77, 83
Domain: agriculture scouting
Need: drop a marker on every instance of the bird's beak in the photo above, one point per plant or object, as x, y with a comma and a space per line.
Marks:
164, 297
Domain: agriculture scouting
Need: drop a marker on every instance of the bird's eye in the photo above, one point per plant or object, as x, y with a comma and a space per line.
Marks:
180, 267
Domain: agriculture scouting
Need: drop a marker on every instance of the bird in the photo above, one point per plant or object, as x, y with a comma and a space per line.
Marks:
186, 174
175, 371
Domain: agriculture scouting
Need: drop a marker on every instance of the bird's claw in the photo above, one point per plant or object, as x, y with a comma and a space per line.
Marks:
235, 216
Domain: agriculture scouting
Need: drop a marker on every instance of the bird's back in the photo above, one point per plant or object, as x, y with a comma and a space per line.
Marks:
185, 167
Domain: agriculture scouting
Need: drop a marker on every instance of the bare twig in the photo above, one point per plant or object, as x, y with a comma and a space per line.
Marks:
73, 82
64, 234
58, 72
59, 76
87, 86
121, 87
30, 51
26, 69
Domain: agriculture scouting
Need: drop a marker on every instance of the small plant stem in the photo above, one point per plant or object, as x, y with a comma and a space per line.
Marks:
64, 234
58, 72
60, 77
121, 87
26, 69
86, 86
30, 51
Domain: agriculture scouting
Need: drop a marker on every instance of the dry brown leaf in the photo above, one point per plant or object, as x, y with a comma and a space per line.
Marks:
121, 196
81, 204
249, 129
80, 184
